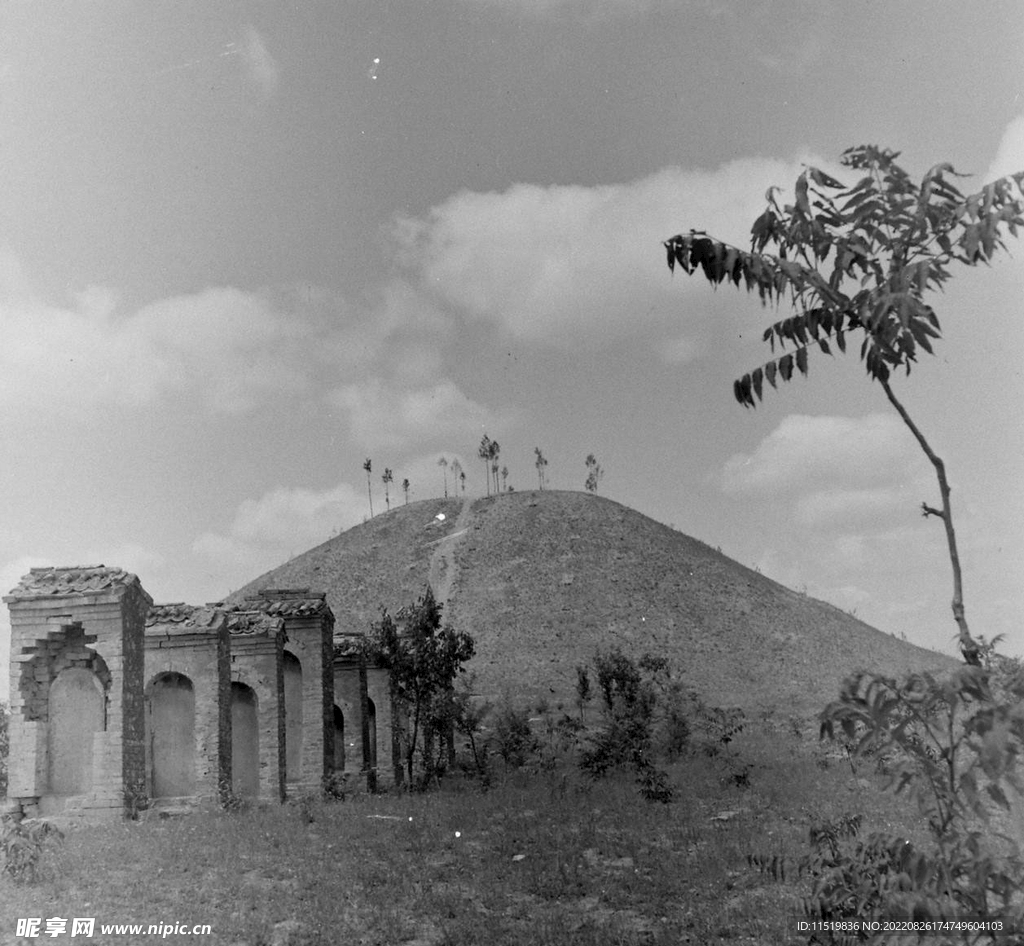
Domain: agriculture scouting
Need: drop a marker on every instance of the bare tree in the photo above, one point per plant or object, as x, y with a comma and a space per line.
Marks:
504, 478
388, 478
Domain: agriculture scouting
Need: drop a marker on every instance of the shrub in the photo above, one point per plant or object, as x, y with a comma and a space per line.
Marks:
629, 695
23, 844
514, 739
956, 744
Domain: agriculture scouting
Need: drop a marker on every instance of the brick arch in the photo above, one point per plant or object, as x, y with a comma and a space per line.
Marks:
293, 717
76, 711
245, 740
170, 735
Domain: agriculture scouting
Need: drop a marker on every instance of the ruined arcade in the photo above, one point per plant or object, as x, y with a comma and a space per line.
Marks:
117, 703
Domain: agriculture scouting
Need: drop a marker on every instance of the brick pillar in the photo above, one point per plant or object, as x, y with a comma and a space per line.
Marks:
77, 624
257, 645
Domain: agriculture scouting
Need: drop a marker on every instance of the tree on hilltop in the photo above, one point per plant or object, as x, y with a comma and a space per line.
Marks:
368, 466
405, 489
388, 478
443, 463
458, 476
594, 474
860, 260
484, 452
494, 453
540, 464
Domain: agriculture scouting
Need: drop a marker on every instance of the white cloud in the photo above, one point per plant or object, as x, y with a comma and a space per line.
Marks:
679, 351
570, 264
1010, 154
281, 523
841, 451
382, 414
544, 7
261, 67
224, 345
836, 507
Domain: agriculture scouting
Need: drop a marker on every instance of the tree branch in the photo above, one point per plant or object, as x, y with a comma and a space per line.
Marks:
968, 646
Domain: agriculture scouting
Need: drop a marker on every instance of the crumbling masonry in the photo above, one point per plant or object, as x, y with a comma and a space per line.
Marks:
117, 703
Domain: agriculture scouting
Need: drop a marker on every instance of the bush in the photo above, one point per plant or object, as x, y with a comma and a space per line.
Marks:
629, 695
956, 744
514, 739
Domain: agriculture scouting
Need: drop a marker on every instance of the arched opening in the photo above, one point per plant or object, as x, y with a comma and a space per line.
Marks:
245, 741
339, 739
371, 724
172, 724
77, 710
292, 717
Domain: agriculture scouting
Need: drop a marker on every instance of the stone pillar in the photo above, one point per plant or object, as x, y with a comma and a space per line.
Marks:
87, 624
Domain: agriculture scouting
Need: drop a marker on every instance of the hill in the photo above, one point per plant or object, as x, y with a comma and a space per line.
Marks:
543, 580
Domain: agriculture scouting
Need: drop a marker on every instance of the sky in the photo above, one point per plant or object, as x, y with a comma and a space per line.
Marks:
245, 246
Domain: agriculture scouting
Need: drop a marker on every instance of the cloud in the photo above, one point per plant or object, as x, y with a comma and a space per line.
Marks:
837, 507
841, 451
226, 346
570, 264
261, 68
230, 349
546, 7
281, 523
381, 414
1009, 157
678, 351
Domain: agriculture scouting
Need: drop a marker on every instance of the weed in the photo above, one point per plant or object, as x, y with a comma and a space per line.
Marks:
24, 843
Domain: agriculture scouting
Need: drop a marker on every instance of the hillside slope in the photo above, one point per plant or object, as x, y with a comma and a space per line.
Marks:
543, 580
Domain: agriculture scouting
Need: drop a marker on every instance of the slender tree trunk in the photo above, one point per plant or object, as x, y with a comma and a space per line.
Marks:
968, 646
369, 492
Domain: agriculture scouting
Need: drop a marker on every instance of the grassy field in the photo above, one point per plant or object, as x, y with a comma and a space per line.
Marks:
548, 857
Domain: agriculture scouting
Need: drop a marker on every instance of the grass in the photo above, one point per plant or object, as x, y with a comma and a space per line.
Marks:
542, 858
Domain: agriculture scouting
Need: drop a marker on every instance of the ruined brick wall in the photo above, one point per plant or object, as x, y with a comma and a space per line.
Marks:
73, 629
111, 695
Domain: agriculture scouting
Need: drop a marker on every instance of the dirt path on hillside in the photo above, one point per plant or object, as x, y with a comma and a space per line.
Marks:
441, 575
